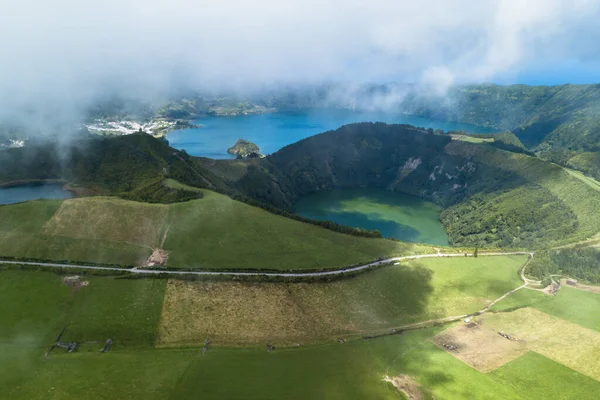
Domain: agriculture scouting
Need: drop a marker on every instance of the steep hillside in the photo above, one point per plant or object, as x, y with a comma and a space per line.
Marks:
559, 122
492, 197
133, 167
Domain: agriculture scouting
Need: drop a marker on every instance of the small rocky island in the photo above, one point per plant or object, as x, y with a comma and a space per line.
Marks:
245, 149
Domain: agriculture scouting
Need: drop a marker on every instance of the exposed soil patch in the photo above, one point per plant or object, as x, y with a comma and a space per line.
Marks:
75, 282
408, 386
481, 347
574, 284
158, 257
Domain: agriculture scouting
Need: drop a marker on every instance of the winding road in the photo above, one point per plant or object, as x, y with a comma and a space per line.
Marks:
274, 274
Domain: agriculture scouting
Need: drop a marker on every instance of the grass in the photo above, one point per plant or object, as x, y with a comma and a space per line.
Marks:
213, 232
573, 305
28, 217
542, 378
109, 219
565, 342
144, 375
61, 248
217, 232
173, 184
591, 182
37, 304
305, 312
126, 310
77, 230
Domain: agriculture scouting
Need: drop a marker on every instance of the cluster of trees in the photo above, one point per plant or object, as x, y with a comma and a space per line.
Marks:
579, 263
526, 216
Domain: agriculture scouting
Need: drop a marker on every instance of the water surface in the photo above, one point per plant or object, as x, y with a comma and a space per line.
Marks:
32, 191
273, 131
395, 215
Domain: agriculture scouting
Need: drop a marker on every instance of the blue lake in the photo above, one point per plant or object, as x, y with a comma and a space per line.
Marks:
32, 191
273, 131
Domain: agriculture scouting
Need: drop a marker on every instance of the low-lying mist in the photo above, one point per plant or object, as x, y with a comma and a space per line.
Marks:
63, 58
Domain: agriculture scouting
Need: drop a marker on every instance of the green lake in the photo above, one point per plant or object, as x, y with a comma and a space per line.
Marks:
395, 215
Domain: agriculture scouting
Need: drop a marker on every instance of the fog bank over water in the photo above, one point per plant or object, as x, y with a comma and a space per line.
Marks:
61, 56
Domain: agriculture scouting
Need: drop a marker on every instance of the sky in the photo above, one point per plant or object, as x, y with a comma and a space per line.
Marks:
59, 55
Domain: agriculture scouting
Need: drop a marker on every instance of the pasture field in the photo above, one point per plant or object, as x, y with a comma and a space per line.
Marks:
252, 313
542, 378
214, 232
573, 305
49, 230
218, 232
28, 217
37, 305
109, 219
567, 343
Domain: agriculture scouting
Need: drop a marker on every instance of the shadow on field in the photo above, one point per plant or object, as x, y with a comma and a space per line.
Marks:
409, 287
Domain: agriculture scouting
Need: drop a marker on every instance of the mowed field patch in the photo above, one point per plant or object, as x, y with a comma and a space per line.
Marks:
288, 313
567, 343
109, 219
479, 346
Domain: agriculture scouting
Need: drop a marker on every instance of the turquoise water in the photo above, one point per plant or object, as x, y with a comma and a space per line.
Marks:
395, 215
18, 194
273, 131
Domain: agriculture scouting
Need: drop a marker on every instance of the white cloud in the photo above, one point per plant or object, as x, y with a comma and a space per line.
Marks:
65, 51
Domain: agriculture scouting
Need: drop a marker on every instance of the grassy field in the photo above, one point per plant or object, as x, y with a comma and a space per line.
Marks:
573, 305
213, 232
36, 305
49, 230
252, 313
109, 219
217, 232
548, 381
565, 342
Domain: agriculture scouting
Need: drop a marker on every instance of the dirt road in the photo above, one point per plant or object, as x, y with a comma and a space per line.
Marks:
275, 274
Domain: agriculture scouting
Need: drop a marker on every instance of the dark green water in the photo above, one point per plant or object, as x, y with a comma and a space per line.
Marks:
395, 215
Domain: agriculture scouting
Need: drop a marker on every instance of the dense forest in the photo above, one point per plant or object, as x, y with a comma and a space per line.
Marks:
579, 263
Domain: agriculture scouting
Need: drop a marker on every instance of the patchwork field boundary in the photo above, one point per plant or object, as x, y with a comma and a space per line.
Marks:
258, 273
